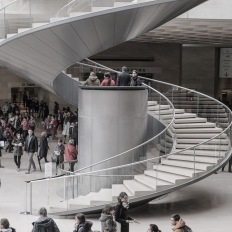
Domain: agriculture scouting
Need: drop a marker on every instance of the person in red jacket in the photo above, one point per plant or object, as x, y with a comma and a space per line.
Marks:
107, 80
71, 154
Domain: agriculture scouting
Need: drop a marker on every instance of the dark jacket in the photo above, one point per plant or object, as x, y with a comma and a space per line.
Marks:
124, 79
45, 224
18, 147
73, 133
121, 216
43, 151
108, 222
2, 138
32, 146
84, 227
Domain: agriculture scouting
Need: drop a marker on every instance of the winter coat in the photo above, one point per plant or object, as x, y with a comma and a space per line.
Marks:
105, 82
18, 147
24, 125
108, 222
179, 226
59, 149
124, 79
121, 216
32, 146
92, 81
9, 134
70, 152
43, 151
8, 230
2, 133
66, 129
45, 224
84, 227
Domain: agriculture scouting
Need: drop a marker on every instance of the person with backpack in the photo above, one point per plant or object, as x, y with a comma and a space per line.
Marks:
5, 226
107, 219
82, 225
179, 224
44, 223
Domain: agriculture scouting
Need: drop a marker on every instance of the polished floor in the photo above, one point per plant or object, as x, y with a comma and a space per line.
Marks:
205, 206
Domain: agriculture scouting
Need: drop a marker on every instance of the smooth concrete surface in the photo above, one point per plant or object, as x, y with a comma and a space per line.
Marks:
111, 121
205, 206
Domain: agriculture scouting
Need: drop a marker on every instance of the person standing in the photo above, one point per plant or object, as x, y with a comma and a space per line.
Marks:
44, 223
32, 123
59, 152
5, 226
43, 145
71, 154
121, 214
92, 80
24, 125
65, 131
25, 97
9, 137
73, 133
18, 150
107, 219
124, 78
31, 147
108, 80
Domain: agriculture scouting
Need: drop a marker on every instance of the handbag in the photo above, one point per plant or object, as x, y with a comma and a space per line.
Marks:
54, 158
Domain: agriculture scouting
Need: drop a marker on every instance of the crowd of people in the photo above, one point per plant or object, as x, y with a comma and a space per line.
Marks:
17, 132
111, 218
123, 79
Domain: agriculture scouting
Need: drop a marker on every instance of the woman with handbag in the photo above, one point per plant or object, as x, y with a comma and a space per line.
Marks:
107, 219
121, 215
18, 150
71, 154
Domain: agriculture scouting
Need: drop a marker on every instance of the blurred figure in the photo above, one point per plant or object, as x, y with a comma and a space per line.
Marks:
18, 150
44, 223
124, 78
153, 228
178, 224
65, 131
59, 152
107, 80
92, 80
43, 151
71, 154
107, 219
5, 226
81, 224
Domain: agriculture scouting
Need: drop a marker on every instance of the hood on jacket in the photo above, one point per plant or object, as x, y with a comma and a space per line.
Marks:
87, 225
44, 222
7, 230
180, 224
92, 76
105, 217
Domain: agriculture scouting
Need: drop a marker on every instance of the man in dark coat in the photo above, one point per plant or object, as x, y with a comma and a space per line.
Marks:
44, 223
31, 147
124, 78
43, 151
73, 133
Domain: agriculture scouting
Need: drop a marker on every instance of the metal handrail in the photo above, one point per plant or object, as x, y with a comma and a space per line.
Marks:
8, 4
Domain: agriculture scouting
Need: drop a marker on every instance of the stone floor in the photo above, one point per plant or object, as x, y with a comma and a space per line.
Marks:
205, 206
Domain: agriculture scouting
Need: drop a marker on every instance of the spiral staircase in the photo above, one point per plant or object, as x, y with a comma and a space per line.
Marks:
196, 140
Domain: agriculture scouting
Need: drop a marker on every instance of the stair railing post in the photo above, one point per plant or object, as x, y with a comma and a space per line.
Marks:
25, 212
194, 162
31, 198
159, 105
4, 18
197, 104
30, 14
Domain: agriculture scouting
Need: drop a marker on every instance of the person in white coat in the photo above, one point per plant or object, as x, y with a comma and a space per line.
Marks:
66, 126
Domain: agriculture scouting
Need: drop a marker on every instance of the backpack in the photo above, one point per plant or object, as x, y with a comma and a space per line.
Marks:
187, 229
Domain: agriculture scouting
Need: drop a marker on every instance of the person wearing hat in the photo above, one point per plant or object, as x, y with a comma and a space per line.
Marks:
71, 154
92, 80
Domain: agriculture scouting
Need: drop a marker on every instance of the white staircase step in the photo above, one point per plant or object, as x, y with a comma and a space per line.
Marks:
203, 147
203, 159
151, 181
176, 170
38, 24
199, 136
214, 153
137, 188
82, 200
221, 141
104, 195
10, 35
197, 130
169, 177
152, 103
185, 164
56, 19
185, 115
1, 40
194, 125
158, 107
20, 30
117, 189
190, 120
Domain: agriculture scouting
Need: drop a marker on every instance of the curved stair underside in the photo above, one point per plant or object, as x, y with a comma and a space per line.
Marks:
40, 54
